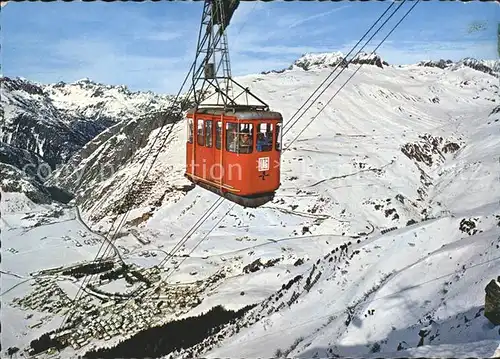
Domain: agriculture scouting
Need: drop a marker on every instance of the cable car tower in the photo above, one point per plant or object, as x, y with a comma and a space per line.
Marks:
212, 60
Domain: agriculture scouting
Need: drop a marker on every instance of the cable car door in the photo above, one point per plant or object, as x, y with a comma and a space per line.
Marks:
218, 152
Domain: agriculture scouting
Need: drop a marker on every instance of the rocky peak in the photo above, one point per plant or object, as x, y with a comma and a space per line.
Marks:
20, 84
328, 60
442, 64
45, 125
311, 61
56, 120
491, 67
488, 67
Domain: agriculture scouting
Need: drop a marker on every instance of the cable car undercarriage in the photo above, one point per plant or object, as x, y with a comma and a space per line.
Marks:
253, 201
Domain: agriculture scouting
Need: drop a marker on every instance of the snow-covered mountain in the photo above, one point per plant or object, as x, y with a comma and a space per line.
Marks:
54, 121
329, 59
101, 173
49, 123
102, 165
380, 241
311, 61
491, 67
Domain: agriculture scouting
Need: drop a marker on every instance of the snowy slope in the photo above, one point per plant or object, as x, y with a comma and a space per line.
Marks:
429, 274
380, 298
412, 147
399, 105
102, 172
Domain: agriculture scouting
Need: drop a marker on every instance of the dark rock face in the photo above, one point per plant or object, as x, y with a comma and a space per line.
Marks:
478, 65
108, 174
442, 64
21, 85
488, 67
25, 160
180, 334
13, 179
81, 170
23, 171
492, 301
33, 123
53, 142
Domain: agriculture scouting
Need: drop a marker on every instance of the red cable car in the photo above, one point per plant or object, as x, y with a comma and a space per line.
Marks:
235, 153
232, 149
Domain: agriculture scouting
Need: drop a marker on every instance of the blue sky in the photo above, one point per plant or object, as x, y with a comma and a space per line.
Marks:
150, 45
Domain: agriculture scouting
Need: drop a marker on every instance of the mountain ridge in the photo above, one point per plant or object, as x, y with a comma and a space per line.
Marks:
86, 113
322, 60
52, 122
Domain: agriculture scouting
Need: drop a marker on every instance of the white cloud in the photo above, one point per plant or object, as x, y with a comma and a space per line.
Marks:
244, 65
108, 62
261, 37
162, 36
111, 56
317, 16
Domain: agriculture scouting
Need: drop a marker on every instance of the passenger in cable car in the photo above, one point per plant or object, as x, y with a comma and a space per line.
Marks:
200, 138
262, 142
233, 142
245, 145
269, 138
190, 136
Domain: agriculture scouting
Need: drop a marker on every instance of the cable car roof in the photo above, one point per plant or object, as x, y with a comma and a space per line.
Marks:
240, 113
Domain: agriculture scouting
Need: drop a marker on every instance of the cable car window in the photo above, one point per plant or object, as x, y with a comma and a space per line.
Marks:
208, 133
278, 136
201, 141
239, 139
231, 136
245, 144
190, 130
264, 137
218, 134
